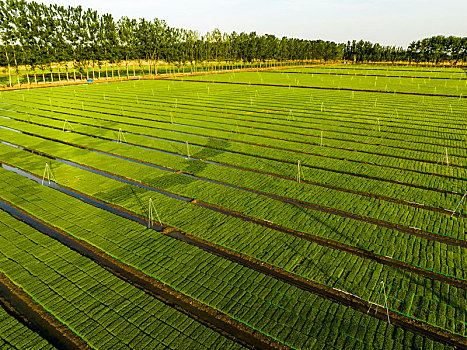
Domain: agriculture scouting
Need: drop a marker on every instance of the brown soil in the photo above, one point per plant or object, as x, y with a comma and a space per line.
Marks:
330, 293
18, 302
375, 75
322, 88
220, 322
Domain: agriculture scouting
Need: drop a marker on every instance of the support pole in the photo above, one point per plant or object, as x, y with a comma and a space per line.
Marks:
458, 204
321, 139
377, 303
447, 158
385, 301
152, 210
299, 168
121, 136
69, 125
48, 173
187, 150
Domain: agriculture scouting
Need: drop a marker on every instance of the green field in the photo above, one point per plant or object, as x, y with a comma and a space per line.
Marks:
348, 179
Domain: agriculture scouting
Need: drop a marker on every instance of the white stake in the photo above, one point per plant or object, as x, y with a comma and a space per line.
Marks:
377, 304
121, 136
48, 173
458, 204
385, 300
321, 139
152, 210
376, 101
379, 126
322, 106
447, 159
298, 172
187, 150
70, 126
171, 118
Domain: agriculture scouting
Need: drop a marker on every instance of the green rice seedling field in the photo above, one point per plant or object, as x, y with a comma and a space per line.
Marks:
318, 207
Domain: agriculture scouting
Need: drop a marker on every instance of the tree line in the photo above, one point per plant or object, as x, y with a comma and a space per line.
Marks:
432, 50
37, 36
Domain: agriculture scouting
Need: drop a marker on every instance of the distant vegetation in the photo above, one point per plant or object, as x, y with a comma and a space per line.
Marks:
36, 36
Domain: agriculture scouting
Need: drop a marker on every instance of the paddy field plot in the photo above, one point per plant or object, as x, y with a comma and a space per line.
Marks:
285, 202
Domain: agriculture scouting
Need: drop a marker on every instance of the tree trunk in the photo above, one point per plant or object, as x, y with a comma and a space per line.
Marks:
17, 70
127, 70
27, 74
9, 68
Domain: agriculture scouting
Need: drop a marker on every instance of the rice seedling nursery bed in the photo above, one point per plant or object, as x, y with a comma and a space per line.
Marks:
278, 210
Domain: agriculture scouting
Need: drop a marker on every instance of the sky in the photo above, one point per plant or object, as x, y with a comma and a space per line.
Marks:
389, 22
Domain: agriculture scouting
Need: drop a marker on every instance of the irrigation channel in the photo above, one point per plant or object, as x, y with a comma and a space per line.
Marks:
369, 75
319, 240
24, 309
321, 88
385, 198
361, 67
202, 313
456, 282
288, 149
401, 228
370, 124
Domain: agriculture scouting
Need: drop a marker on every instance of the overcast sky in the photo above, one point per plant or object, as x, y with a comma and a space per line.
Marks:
389, 22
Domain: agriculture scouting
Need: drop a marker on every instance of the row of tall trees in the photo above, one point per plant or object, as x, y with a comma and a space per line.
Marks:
435, 49
41, 36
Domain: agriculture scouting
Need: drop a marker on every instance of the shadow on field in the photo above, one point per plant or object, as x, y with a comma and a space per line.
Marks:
414, 283
191, 166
